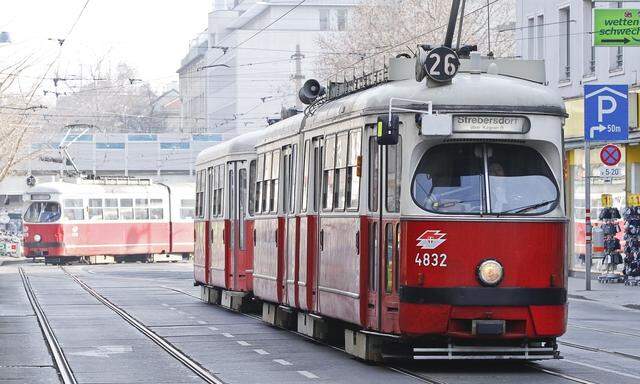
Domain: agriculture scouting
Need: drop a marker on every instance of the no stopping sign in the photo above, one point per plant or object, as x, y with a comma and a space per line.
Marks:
610, 155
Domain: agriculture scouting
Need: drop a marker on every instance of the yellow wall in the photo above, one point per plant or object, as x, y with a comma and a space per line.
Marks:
574, 125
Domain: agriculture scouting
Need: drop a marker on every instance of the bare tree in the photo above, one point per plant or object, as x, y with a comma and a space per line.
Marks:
17, 123
379, 29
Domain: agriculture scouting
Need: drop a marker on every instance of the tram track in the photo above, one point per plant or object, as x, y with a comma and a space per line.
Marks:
398, 369
62, 364
176, 353
401, 370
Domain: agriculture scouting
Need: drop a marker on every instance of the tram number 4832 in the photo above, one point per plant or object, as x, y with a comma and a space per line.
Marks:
431, 259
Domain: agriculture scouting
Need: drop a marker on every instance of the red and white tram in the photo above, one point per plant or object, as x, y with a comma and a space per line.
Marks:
109, 218
449, 244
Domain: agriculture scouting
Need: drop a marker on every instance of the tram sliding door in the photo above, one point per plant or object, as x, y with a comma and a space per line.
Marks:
374, 222
389, 253
290, 226
239, 253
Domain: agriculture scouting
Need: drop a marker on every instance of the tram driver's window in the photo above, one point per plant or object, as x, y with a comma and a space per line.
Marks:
449, 179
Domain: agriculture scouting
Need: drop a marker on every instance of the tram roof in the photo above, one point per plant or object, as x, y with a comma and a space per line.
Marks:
468, 92
244, 143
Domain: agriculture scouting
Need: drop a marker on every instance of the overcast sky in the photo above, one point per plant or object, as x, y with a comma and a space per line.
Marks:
151, 35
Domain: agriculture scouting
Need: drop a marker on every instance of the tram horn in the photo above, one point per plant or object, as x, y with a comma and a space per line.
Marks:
310, 91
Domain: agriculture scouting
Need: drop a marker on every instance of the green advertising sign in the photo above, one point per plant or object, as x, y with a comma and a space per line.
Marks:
615, 27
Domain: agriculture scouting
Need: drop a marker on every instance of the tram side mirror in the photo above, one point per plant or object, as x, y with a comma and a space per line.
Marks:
388, 129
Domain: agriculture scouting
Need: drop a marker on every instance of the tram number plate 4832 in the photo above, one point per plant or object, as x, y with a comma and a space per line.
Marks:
431, 259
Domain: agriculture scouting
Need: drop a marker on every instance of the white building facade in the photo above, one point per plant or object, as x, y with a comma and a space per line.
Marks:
561, 33
260, 53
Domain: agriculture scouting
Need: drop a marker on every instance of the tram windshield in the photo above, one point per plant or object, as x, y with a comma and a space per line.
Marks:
456, 178
42, 212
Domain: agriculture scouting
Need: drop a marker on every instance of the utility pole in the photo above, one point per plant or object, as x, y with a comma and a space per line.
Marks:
298, 76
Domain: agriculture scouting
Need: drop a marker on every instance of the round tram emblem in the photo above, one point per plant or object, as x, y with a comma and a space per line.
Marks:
610, 155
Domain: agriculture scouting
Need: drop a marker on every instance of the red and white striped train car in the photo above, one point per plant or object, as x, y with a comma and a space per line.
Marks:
449, 244
119, 218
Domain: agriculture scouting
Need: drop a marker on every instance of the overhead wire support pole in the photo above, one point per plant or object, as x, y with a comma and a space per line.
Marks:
460, 24
587, 214
451, 27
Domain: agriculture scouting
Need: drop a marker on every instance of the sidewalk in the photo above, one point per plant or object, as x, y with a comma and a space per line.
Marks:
8, 260
615, 294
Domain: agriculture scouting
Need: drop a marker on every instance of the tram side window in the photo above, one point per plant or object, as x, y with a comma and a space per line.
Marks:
289, 179
340, 183
110, 211
219, 209
252, 187
373, 174
73, 209
141, 211
207, 185
200, 185
373, 256
353, 179
156, 211
275, 174
259, 184
266, 184
126, 209
187, 209
394, 176
95, 209
305, 177
328, 172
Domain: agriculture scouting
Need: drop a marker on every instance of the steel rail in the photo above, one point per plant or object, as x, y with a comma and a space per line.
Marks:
191, 364
562, 375
64, 369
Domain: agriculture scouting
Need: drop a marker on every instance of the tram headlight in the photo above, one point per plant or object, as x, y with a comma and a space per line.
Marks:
37, 238
490, 273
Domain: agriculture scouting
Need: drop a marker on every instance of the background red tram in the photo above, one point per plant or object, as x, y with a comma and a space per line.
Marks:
449, 244
109, 219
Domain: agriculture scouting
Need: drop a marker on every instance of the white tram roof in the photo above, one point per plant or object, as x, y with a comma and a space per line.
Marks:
88, 189
243, 144
467, 93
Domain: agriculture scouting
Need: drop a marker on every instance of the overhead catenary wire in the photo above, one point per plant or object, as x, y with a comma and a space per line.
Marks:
405, 42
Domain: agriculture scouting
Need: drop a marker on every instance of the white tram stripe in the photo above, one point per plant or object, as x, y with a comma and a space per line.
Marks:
282, 362
308, 374
260, 351
111, 245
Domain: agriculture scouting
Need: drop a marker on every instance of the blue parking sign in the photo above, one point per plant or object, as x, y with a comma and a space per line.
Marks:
606, 112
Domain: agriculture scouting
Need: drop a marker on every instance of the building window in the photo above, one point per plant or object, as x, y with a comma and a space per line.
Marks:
531, 43
540, 37
324, 19
565, 43
342, 19
588, 48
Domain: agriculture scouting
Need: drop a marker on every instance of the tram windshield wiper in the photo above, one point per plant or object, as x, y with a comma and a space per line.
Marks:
527, 207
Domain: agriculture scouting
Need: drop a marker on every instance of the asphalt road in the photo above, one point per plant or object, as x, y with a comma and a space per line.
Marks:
602, 344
